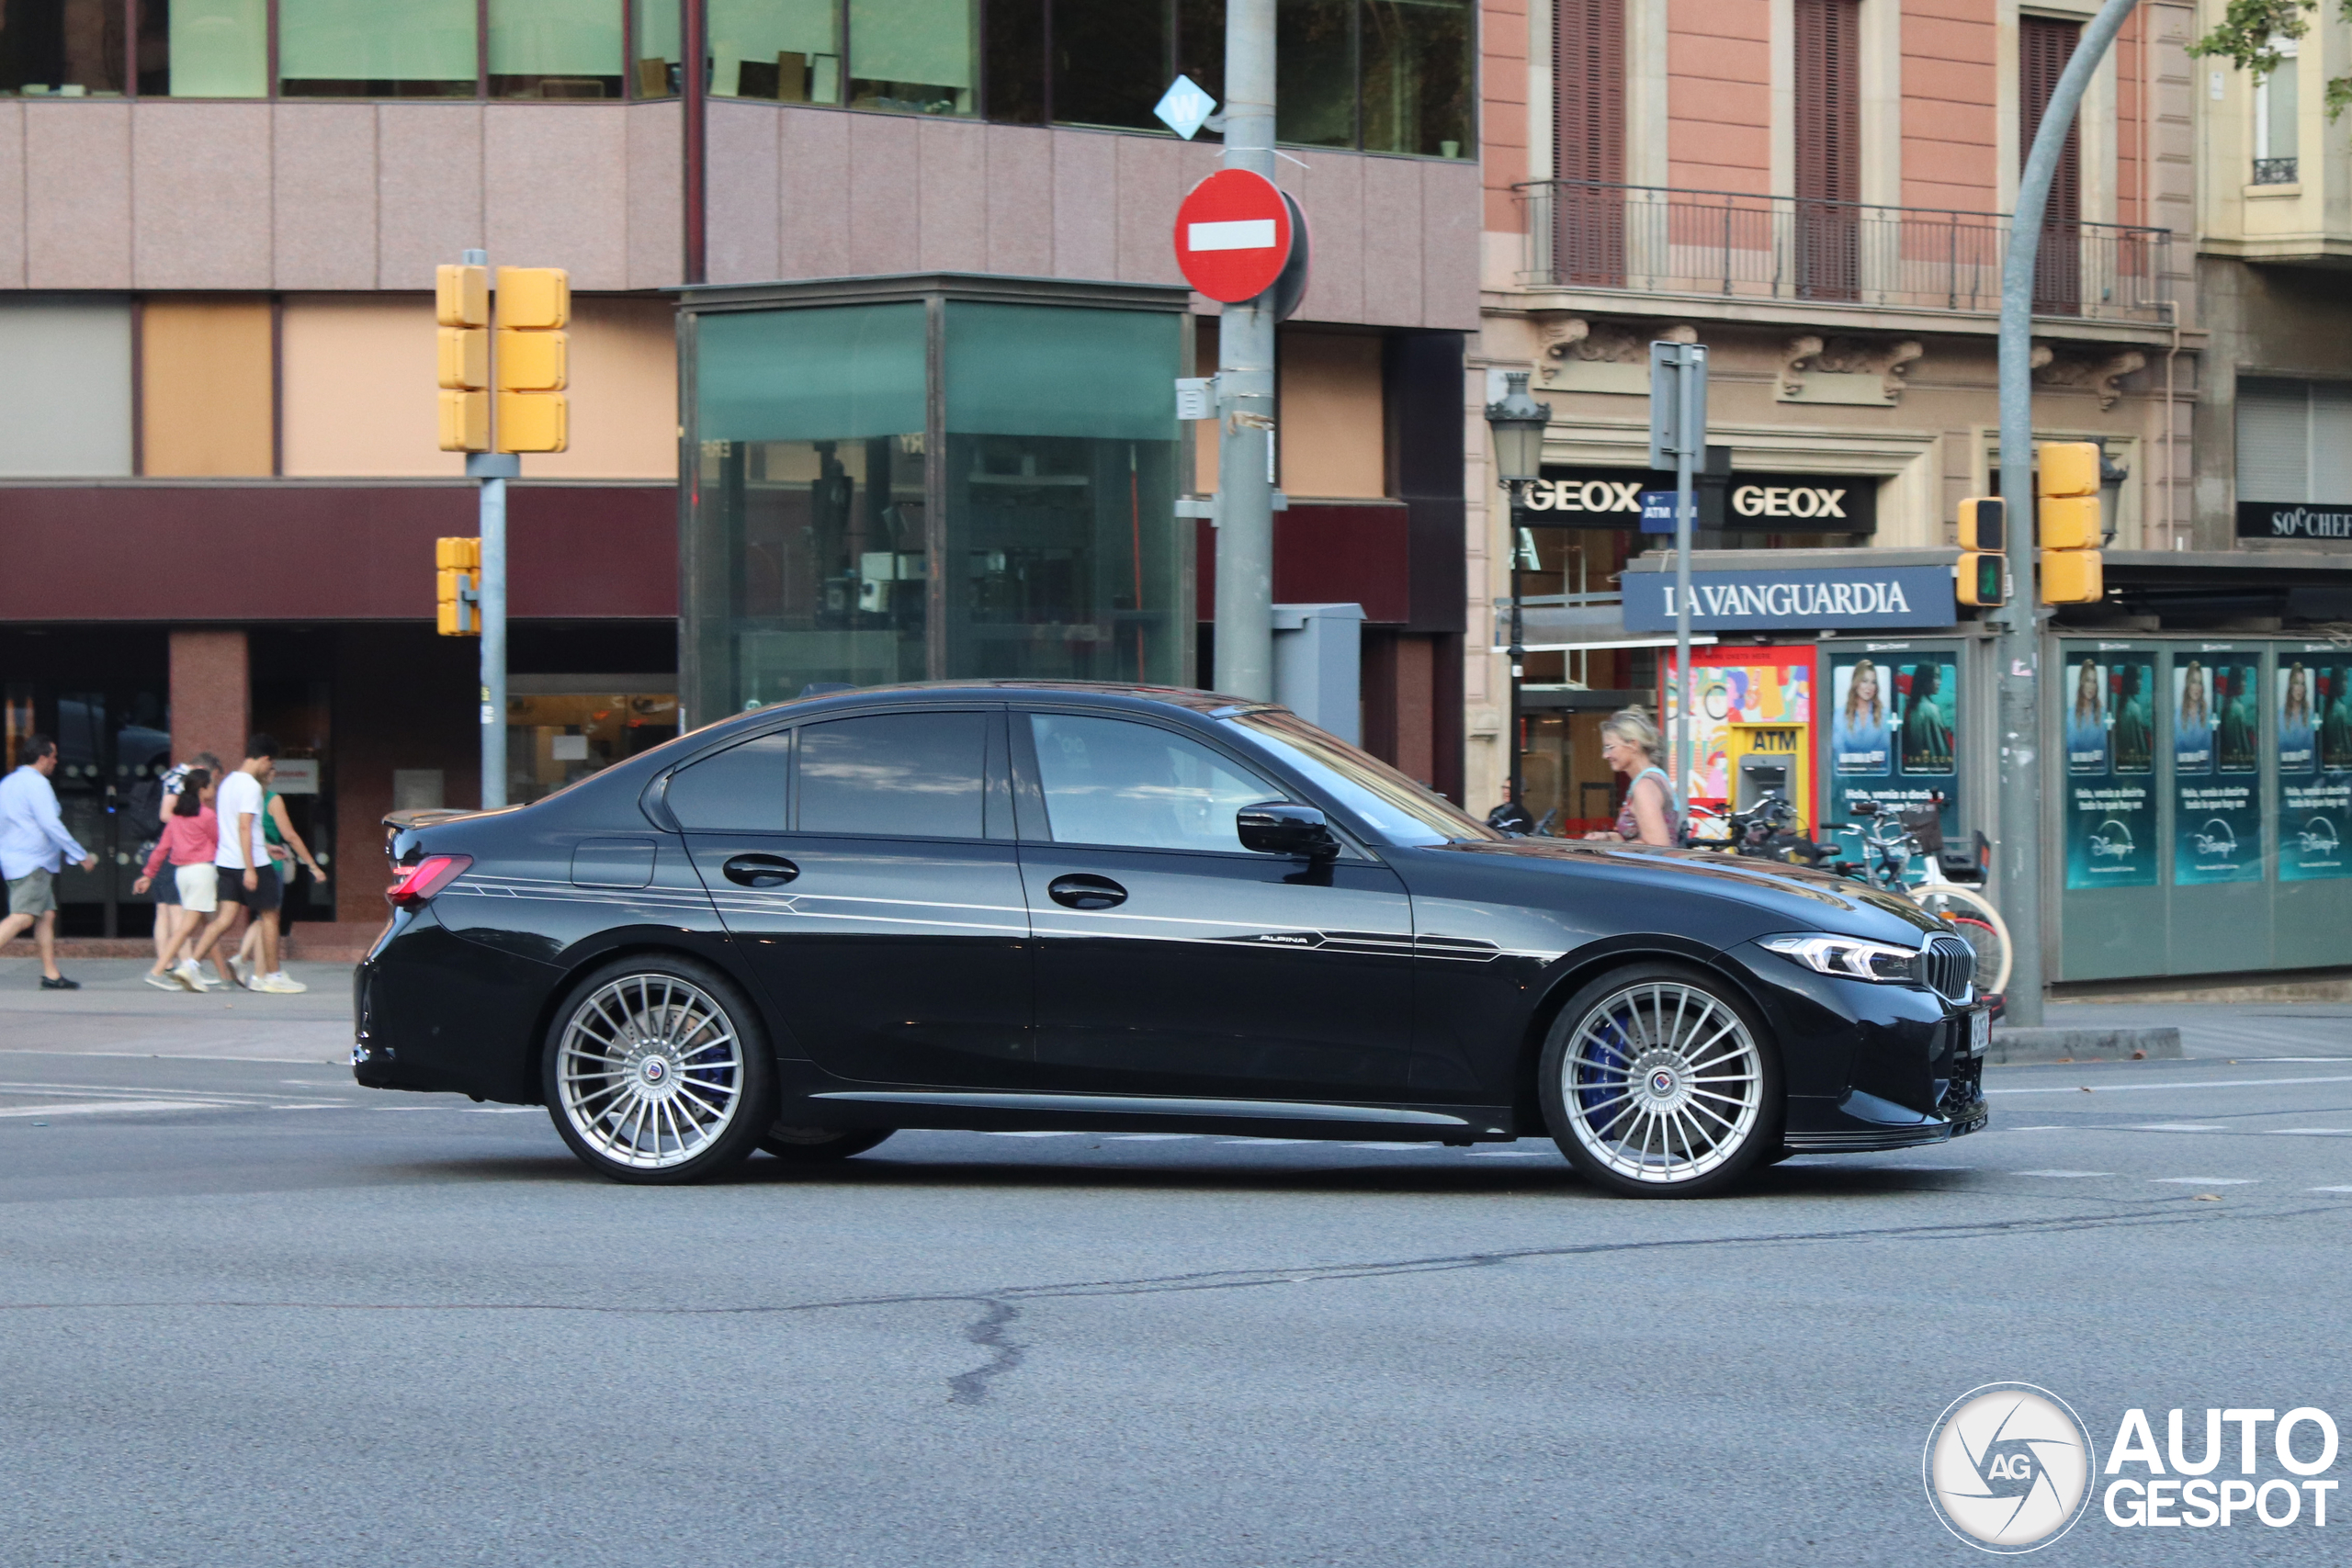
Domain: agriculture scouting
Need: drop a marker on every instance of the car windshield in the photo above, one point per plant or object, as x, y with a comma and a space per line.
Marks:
1393, 805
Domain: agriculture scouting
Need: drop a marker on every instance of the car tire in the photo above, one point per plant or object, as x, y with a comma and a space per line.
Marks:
1659, 1080
658, 1071
817, 1146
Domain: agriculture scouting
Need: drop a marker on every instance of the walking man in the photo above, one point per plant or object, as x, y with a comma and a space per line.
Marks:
248, 881
34, 847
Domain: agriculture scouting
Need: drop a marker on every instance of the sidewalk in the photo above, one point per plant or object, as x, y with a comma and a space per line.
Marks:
117, 1013
331, 942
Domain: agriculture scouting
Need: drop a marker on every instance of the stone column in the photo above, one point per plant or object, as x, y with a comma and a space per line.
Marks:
211, 694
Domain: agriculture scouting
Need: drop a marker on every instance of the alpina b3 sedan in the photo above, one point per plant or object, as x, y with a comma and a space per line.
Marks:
1027, 906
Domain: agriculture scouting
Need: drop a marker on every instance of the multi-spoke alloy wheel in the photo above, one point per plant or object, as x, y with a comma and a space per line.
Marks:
652, 1077
1656, 1083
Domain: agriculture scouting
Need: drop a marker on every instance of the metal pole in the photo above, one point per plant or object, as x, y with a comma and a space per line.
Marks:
1245, 385
1518, 643
493, 469
2021, 642
1693, 418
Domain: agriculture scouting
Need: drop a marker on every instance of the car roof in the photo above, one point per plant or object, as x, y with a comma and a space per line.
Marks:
1204, 703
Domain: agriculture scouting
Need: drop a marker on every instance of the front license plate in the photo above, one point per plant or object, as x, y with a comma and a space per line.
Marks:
1980, 1031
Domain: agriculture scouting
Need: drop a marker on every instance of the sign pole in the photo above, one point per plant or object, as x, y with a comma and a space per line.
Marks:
2020, 641
1679, 432
493, 468
1245, 387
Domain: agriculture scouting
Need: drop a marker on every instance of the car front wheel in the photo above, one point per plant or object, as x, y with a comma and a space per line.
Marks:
656, 1070
1657, 1082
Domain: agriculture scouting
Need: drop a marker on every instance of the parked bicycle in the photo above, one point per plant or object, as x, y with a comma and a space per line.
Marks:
1899, 845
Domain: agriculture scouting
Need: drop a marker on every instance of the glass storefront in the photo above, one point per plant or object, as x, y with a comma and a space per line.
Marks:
974, 480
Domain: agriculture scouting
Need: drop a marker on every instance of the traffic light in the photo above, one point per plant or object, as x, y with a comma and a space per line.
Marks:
461, 304
1983, 545
534, 307
2067, 519
458, 568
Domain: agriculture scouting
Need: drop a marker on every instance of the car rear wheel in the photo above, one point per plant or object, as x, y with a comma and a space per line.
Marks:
656, 1070
1658, 1082
811, 1146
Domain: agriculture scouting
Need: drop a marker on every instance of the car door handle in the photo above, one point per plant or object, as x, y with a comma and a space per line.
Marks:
759, 870
1083, 892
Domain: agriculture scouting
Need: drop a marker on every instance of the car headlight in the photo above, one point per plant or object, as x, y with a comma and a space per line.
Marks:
1850, 957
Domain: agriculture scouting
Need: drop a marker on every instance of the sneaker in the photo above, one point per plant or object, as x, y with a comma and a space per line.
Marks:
242, 971
58, 983
188, 974
165, 982
279, 984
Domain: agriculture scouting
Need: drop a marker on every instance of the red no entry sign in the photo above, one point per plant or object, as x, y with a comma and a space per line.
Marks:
1233, 235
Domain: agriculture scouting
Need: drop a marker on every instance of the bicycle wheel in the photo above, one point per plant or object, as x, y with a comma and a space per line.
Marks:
1979, 924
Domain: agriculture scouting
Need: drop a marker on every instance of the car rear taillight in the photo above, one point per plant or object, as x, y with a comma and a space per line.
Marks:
420, 882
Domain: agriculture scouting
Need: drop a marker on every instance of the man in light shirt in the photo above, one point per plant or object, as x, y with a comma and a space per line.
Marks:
34, 847
248, 880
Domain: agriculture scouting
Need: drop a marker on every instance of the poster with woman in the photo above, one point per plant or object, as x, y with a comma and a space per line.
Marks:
2086, 719
1861, 733
2192, 718
2110, 801
1926, 691
2314, 763
2217, 820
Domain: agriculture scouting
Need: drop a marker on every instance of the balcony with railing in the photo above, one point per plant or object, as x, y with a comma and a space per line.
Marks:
1650, 240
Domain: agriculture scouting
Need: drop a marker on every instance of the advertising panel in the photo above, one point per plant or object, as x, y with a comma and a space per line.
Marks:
2314, 763
2111, 731
1893, 720
2216, 736
1736, 685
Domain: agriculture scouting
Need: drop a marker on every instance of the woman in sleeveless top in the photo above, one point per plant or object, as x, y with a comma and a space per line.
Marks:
1630, 745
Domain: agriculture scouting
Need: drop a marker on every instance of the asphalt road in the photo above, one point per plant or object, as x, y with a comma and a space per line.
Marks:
252, 1314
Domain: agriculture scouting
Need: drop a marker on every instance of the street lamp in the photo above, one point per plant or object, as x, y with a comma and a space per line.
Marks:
1518, 422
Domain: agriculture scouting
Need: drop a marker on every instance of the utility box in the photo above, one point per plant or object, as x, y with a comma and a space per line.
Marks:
1319, 666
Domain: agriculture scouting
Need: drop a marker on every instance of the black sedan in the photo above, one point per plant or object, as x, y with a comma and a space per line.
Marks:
1009, 905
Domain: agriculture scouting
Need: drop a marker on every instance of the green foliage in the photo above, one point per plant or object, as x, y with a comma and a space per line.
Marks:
2250, 32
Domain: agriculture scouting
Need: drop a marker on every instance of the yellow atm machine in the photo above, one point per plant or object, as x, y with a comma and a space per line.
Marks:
1762, 758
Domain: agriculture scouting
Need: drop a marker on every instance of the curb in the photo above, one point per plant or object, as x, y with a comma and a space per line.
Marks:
2013, 1045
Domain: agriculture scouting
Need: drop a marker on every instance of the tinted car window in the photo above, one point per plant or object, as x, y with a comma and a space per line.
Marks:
740, 790
1135, 785
900, 774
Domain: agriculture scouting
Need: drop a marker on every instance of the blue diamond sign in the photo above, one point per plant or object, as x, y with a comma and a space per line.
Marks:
1185, 107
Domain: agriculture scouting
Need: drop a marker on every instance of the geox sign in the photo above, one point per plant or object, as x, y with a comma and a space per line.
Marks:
1839, 598
1746, 503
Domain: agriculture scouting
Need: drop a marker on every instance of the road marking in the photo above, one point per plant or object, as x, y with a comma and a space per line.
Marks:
1036, 1135
95, 1106
323, 1105
2308, 1131
1951, 1167
2209, 1180
2171, 1127
2331, 1189
2200, 1083
2062, 1173
1150, 1137
1229, 1142
2052, 1128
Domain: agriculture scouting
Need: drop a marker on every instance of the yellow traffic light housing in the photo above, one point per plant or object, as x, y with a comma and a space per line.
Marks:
2068, 523
457, 586
1984, 570
534, 307
461, 306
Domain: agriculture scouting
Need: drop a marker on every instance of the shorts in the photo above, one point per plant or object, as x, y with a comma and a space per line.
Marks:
33, 894
197, 887
265, 894
168, 889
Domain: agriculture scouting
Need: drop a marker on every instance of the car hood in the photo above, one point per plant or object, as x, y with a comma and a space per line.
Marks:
1801, 898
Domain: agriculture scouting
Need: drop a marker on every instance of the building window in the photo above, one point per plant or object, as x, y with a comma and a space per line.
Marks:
2044, 45
204, 48
555, 49
1828, 148
913, 56
62, 48
2294, 441
2275, 162
657, 49
1588, 141
786, 51
364, 48
1380, 76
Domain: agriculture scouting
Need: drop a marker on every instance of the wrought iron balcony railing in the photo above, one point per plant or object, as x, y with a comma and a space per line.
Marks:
1646, 239
2274, 171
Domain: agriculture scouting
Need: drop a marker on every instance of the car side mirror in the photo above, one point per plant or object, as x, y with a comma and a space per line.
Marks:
1286, 827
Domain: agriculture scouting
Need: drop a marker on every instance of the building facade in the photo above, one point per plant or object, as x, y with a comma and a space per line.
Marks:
219, 473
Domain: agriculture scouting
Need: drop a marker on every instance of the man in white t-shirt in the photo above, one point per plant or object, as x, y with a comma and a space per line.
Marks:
248, 881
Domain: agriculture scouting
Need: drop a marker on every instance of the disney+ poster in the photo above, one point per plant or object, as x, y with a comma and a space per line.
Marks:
2111, 764
2314, 763
1893, 718
2216, 738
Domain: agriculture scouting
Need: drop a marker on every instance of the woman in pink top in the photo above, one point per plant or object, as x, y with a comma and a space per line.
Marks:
191, 834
